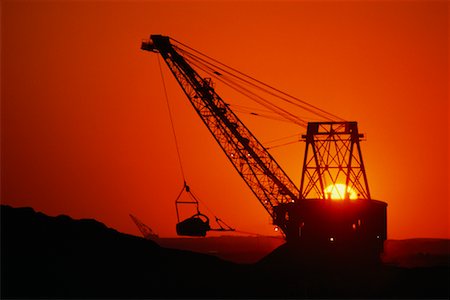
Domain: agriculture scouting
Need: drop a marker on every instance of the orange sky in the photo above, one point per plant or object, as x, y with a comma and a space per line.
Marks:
85, 128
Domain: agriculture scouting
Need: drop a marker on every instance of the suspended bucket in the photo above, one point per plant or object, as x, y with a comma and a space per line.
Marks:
197, 225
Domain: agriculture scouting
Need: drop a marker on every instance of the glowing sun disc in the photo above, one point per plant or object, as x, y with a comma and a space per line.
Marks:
337, 192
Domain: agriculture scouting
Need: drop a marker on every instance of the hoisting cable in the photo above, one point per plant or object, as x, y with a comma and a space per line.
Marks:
195, 201
218, 220
186, 188
171, 122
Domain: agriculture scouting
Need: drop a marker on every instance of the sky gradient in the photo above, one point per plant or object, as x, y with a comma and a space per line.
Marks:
85, 129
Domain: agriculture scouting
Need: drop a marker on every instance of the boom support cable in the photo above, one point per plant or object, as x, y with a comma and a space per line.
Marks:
253, 96
319, 111
304, 106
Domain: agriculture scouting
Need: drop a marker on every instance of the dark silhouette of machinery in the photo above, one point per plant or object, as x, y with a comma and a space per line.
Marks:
146, 231
332, 208
198, 224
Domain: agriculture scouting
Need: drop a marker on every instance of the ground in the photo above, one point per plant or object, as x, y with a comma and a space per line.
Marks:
58, 257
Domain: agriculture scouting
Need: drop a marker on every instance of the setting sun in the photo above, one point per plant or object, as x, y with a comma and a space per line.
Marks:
337, 192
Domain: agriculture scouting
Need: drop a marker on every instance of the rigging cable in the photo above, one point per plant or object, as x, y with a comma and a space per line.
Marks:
257, 98
286, 116
311, 110
171, 121
281, 145
264, 84
185, 186
282, 138
278, 142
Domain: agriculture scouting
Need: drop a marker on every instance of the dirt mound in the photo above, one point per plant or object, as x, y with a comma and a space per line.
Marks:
238, 249
413, 253
59, 257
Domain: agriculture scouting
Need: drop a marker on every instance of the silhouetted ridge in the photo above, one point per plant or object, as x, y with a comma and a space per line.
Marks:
58, 257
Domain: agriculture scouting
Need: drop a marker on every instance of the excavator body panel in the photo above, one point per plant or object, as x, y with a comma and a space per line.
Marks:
356, 227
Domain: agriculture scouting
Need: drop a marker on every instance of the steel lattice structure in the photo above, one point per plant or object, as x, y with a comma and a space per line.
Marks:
333, 156
307, 216
256, 166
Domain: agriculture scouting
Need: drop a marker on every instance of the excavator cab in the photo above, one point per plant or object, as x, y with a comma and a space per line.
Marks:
197, 225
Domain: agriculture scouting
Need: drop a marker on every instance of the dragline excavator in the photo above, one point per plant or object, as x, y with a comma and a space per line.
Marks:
310, 215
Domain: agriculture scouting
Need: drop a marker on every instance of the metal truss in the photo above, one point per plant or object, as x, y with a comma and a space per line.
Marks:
333, 156
256, 166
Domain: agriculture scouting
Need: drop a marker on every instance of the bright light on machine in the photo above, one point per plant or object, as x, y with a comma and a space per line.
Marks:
340, 191
331, 239
276, 229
